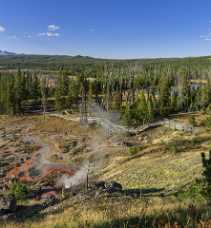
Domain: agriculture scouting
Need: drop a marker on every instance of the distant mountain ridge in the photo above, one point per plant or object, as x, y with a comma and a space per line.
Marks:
78, 63
6, 53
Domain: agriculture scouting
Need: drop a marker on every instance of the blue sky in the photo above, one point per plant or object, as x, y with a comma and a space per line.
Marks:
107, 28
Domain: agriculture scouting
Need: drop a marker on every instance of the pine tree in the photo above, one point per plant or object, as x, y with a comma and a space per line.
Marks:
127, 116
142, 109
84, 90
205, 95
18, 93
174, 102
165, 96
35, 88
61, 90
151, 110
44, 93
73, 92
186, 94
90, 91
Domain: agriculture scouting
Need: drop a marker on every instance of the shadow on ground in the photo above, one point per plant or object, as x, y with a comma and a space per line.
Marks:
184, 217
143, 192
37, 211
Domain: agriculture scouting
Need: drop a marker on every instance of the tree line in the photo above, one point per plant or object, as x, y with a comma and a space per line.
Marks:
142, 93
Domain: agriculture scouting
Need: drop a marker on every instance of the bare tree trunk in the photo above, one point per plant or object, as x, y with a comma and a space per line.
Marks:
120, 90
44, 88
84, 118
108, 72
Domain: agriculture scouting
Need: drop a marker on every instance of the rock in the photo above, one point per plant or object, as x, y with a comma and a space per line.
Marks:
100, 185
109, 187
7, 204
113, 187
128, 144
6, 217
49, 196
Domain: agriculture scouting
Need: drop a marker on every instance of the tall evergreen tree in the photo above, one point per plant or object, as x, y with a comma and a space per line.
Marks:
186, 93
61, 91
151, 109
174, 102
165, 96
18, 93
73, 92
142, 110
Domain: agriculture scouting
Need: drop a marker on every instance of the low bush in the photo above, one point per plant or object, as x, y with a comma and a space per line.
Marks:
180, 145
195, 192
192, 121
134, 150
207, 122
19, 190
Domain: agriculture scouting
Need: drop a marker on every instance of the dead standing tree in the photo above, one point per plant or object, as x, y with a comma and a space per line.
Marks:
44, 93
120, 86
130, 84
108, 72
83, 108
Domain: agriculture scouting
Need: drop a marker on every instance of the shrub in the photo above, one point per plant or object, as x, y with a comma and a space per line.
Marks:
172, 148
61, 226
133, 150
207, 122
181, 145
19, 190
208, 110
192, 121
206, 162
195, 192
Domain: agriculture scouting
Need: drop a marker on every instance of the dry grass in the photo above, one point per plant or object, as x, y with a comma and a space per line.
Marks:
152, 167
57, 126
156, 167
92, 213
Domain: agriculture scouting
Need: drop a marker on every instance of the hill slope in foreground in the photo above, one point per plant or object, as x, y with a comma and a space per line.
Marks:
160, 171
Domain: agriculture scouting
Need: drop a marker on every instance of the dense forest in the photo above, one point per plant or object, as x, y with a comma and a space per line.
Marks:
74, 64
142, 90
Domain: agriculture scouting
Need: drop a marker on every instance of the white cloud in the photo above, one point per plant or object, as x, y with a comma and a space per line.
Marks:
53, 28
41, 34
2, 28
51, 32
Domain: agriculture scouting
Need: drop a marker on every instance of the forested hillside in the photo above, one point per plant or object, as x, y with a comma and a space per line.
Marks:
77, 63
